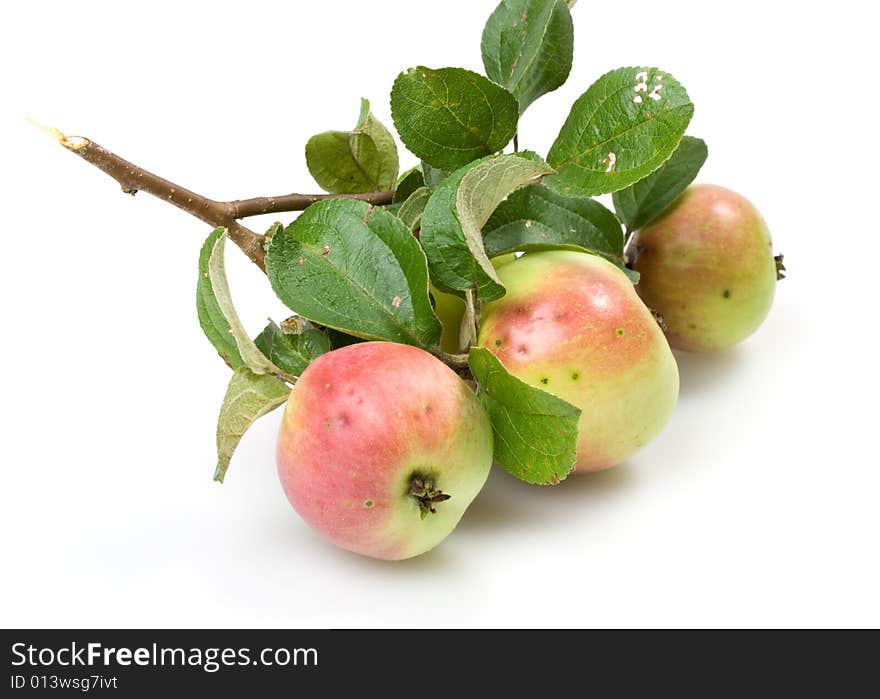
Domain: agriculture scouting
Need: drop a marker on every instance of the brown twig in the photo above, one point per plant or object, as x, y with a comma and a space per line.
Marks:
242, 208
135, 179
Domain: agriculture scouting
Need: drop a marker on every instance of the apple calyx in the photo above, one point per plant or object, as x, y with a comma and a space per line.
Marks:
659, 318
424, 490
780, 267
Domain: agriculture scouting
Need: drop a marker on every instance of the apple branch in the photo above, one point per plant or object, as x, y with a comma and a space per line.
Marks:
135, 179
242, 208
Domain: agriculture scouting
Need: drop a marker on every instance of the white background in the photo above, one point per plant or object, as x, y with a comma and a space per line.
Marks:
758, 505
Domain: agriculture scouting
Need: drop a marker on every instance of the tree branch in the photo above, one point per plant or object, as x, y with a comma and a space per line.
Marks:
135, 179
242, 208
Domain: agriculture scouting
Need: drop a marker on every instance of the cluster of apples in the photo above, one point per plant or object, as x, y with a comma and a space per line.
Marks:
552, 362
382, 447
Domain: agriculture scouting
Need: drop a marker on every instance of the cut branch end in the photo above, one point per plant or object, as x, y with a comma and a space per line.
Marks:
70, 142
75, 142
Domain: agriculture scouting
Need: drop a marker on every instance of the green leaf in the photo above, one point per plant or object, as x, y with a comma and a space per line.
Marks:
385, 144
528, 47
455, 214
412, 209
352, 162
433, 177
392, 208
482, 189
211, 318
451, 116
647, 199
535, 432
632, 275
271, 231
248, 397
355, 268
537, 218
340, 339
453, 267
408, 183
620, 130
292, 351
250, 354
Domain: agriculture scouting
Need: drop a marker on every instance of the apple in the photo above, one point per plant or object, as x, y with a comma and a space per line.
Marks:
381, 449
450, 310
572, 324
707, 268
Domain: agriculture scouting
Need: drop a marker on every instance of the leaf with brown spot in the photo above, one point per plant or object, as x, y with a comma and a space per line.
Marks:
353, 271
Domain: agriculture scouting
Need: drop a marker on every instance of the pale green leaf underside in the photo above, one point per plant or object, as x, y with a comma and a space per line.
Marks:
353, 162
385, 145
537, 218
250, 354
451, 116
357, 269
482, 189
453, 267
248, 397
647, 199
528, 46
451, 223
625, 126
211, 318
411, 210
535, 432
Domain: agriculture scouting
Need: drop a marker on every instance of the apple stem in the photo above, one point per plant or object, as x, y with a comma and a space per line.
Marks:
470, 322
628, 246
455, 361
424, 490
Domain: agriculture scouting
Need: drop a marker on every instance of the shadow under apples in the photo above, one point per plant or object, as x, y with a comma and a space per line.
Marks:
702, 372
439, 559
508, 502
505, 503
